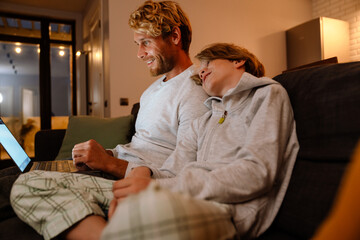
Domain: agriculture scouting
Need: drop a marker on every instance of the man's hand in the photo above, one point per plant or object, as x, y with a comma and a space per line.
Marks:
89, 155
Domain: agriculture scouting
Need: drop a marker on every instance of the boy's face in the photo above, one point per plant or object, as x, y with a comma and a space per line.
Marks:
156, 52
218, 76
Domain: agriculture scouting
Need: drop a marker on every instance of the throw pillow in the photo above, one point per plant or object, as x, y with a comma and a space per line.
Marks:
107, 131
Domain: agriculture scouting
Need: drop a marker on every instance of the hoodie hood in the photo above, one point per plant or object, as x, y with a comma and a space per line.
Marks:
246, 84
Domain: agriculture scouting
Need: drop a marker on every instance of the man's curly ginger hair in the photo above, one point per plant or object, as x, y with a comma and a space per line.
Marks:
159, 19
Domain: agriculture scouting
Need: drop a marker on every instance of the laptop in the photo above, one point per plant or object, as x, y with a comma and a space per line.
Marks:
22, 160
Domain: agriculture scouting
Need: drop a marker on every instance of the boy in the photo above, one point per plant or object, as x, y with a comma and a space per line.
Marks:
228, 177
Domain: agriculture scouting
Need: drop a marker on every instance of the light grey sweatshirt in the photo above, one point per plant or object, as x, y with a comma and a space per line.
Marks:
246, 161
166, 112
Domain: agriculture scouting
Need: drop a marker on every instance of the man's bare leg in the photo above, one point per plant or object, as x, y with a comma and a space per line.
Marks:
89, 228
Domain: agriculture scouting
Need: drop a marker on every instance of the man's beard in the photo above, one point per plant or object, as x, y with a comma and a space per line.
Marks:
165, 65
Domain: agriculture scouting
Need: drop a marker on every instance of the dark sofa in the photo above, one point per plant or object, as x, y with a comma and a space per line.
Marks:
326, 103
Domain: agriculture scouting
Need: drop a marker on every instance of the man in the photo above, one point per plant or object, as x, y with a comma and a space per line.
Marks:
163, 35
174, 98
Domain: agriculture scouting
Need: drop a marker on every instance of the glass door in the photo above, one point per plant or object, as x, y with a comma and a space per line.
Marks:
19, 92
37, 75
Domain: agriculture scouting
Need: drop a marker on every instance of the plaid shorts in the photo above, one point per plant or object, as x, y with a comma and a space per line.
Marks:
52, 202
160, 214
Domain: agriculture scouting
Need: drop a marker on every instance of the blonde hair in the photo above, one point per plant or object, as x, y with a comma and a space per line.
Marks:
231, 52
160, 18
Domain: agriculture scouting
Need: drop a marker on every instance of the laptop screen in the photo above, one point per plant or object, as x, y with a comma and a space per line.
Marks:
12, 147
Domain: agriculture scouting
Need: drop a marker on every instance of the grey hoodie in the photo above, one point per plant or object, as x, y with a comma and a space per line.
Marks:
246, 161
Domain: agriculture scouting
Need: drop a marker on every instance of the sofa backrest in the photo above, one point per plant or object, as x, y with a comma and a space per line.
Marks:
326, 104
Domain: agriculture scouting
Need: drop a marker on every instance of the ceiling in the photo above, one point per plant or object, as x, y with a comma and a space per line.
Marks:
61, 5
23, 59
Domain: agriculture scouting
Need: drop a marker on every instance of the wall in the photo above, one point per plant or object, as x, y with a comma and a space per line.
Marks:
346, 10
91, 14
94, 11
258, 25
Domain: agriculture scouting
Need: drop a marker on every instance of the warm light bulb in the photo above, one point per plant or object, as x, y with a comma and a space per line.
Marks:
61, 53
78, 53
18, 50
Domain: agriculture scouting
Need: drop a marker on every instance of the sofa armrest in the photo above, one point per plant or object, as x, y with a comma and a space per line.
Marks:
48, 143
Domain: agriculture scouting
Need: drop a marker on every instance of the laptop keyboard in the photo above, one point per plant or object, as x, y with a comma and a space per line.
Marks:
59, 166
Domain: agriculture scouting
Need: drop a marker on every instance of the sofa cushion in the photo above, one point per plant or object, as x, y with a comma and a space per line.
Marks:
326, 106
107, 131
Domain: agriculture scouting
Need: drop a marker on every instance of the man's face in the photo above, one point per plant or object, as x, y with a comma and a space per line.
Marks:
156, 52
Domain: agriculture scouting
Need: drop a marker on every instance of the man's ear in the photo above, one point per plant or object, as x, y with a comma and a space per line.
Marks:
176, 35
239, 63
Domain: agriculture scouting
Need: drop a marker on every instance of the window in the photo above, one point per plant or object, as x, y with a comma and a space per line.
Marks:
37, 75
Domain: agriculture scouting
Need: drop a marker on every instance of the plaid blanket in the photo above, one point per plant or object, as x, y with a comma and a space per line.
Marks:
52, 202
160, 214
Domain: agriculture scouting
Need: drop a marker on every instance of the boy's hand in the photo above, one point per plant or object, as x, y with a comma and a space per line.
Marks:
140, 172
137, 180
112, 207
